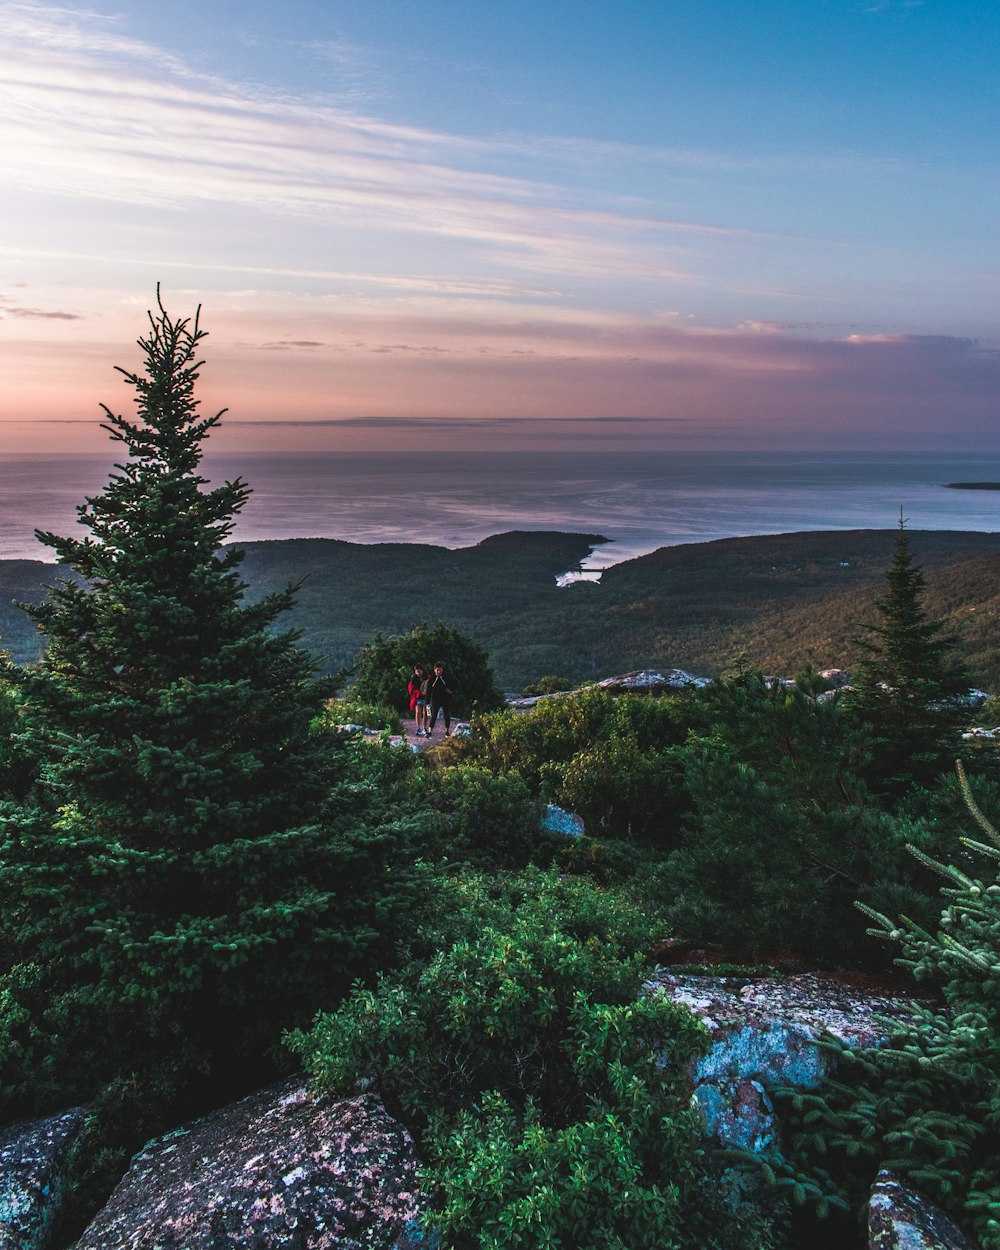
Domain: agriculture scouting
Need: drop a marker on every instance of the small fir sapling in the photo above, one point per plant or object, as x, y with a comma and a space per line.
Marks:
924, 1105
907, 684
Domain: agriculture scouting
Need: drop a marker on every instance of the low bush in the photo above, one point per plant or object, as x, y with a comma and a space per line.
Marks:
621, 790
547, 1095
355, 712
549, 684
612, 759
486, 820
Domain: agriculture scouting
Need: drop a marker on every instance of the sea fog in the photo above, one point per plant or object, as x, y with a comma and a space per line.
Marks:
637, 501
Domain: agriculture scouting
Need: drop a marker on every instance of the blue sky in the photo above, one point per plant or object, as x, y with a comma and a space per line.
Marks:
710, 224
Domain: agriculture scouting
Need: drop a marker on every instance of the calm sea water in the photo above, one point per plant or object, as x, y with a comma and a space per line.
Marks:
454, 499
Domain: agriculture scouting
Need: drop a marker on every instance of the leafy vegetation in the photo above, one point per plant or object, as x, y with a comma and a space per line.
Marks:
614, 761
192, 865
383, 666
547, 1094
784, 834
549, 684
339, 712
193, 858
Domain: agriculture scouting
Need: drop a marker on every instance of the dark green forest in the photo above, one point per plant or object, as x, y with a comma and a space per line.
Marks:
777, 602
207, 882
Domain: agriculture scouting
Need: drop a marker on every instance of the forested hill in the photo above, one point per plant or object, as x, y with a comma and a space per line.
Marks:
777, 601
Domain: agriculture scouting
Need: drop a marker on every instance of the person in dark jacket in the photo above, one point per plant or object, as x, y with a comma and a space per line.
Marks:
439, 697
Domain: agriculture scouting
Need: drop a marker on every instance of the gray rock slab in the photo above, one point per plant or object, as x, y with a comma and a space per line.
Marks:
32, 1158
642, 681
557, 820
900, 1218
764, 1033
652, 680
280, 1170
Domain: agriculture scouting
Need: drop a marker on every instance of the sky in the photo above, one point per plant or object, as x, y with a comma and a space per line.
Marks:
544, 224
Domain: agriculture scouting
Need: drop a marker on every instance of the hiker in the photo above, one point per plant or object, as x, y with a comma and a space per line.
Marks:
439, 696
417, 687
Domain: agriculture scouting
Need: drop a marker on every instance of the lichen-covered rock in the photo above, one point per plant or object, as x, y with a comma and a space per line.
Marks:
653, 680
277, 1170
642, 681
559, 821
764, 1033
900, 1218
32, 1159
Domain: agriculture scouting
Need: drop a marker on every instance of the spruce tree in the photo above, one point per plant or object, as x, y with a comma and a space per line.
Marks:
907, 685
925, 1104
194, 869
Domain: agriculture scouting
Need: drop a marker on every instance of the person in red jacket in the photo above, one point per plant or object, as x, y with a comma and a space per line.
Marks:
417, 688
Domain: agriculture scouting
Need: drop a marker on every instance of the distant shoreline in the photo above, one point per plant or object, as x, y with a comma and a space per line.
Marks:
972, 485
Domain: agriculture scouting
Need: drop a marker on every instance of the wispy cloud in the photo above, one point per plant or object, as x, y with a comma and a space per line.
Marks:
38, 314
88, 111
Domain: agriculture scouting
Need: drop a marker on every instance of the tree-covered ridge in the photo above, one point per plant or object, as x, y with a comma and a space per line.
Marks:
779, 602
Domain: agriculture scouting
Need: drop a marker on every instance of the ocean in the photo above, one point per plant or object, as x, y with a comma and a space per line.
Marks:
638, 502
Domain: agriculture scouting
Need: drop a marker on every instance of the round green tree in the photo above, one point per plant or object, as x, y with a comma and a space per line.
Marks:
383, 667
191, 871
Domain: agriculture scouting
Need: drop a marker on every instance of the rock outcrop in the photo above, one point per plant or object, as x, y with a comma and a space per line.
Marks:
559, 821
653, 681
900, 1218
763, 1033
32, 1175
642, 681
279, 1169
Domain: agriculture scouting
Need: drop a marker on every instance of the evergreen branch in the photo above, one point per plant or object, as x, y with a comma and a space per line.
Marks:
973, 806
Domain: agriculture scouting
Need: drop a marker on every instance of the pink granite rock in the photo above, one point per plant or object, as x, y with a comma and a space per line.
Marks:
276, 1171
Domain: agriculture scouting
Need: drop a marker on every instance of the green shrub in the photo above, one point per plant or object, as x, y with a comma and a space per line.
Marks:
783, 836
621, 790
612, 759
550, 684
610, 862
989, 714
491, 1008
762, 871
487, 820
383, 666
548, 1098
552, 731
353, 712
627, 1172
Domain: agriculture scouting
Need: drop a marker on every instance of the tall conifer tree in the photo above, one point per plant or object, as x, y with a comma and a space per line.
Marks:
907, 684
192, 872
